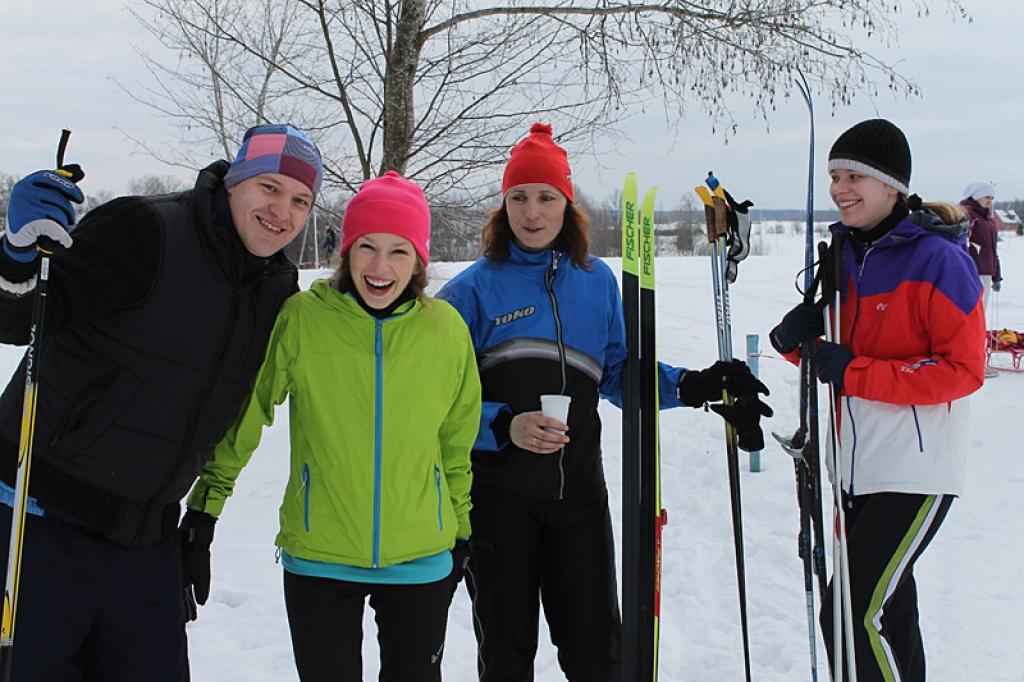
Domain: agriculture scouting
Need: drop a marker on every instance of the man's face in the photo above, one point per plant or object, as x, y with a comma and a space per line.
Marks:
269, 211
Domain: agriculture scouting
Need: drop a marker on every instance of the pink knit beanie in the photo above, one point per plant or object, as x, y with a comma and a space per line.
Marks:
388, 204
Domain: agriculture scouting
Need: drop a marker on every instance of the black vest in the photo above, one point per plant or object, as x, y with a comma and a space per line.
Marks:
131, 405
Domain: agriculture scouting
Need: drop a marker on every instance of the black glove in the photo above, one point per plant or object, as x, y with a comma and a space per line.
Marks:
460, 560
745, 417
997, 284
196, 531
832, 360
705, 386
805, 322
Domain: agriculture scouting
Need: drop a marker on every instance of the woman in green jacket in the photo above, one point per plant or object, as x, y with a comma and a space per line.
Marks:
384, 405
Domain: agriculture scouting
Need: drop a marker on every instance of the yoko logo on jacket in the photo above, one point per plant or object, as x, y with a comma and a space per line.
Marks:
515, 315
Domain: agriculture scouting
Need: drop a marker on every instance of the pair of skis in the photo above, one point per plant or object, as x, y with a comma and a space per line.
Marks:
642, 514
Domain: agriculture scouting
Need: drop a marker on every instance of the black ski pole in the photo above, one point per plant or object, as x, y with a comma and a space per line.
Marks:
28, 424
715, 207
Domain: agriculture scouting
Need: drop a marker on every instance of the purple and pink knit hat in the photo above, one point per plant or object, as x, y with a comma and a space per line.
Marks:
277, 148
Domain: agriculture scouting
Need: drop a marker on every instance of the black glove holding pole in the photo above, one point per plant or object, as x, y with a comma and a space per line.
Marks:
706, 386
805, 322
735, 378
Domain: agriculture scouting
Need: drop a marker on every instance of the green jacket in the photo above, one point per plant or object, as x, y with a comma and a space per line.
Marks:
383, 414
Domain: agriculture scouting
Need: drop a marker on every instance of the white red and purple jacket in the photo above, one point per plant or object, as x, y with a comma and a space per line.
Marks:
912, 315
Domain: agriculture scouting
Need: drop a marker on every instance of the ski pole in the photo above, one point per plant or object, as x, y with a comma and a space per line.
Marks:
28, 424
717, 231
842, 603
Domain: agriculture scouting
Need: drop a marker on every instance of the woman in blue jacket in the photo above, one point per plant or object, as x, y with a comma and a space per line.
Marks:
546, 317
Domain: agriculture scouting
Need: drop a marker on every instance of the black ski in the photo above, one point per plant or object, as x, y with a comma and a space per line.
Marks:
642, 515
803, 446
631, 520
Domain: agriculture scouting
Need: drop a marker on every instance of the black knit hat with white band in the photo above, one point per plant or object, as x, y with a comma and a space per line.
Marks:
875, 148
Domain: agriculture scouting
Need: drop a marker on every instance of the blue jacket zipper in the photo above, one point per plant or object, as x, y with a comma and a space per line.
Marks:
549, 283
378, 430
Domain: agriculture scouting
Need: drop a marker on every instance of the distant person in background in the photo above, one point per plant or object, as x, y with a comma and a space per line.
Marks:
983, 235
330, 242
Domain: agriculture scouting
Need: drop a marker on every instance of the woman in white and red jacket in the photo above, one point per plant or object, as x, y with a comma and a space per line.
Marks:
912, 349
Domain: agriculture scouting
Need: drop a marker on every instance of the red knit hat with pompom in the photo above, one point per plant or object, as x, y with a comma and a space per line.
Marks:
538, 159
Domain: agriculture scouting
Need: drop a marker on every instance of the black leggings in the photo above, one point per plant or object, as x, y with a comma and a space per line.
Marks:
886, 533
558, 553
325, 617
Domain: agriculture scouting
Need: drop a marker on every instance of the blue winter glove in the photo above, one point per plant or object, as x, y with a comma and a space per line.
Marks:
832, 360
40, 206
805, 322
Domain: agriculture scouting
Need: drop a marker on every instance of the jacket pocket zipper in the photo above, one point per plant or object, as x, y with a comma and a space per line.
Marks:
437, 485
305, 495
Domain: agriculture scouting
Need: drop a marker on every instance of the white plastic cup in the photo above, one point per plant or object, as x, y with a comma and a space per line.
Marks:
556, 407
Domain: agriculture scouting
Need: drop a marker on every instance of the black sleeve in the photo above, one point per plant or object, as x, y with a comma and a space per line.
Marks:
501, 426
112, 264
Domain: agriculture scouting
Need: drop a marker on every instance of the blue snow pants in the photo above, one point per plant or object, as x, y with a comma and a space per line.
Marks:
90, 609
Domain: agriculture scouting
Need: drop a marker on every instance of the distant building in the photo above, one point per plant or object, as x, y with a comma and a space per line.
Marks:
1007, 219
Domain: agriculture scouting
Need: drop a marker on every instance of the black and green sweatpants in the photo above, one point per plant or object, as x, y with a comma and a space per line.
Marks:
886, 534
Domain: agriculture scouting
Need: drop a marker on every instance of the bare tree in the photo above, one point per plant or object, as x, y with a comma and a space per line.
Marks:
439, 90
7, 181
151, 185
691, 234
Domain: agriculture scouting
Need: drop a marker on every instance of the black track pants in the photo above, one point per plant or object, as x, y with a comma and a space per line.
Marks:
560, 553
886, 534
91, 610
325, 617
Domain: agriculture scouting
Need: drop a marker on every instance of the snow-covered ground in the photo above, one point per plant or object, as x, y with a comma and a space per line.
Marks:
970, 604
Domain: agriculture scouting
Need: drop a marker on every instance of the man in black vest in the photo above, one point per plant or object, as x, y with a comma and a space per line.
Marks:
159, 310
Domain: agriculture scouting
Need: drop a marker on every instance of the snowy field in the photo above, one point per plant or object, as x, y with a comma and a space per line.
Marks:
970, 598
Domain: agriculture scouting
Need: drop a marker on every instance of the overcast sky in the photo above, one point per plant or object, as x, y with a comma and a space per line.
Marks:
57, 61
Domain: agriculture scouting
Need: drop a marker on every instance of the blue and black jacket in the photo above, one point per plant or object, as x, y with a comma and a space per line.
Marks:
541, 324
